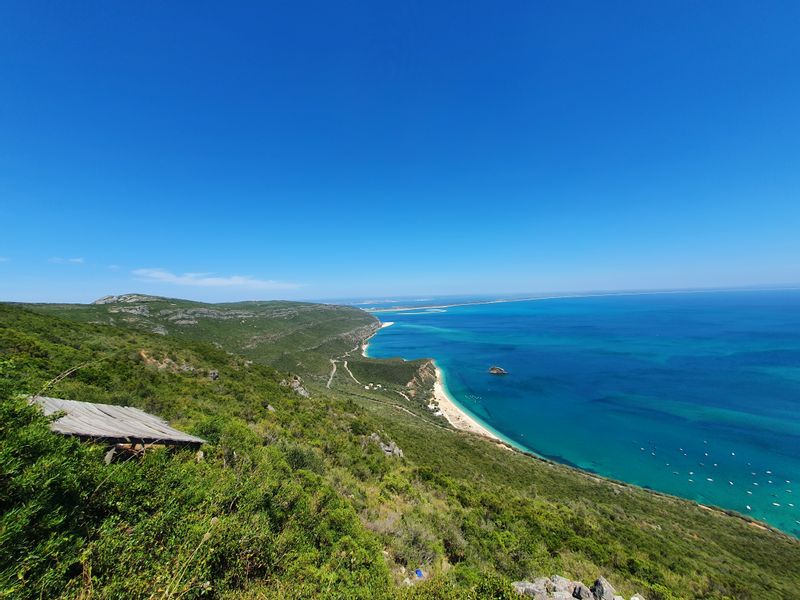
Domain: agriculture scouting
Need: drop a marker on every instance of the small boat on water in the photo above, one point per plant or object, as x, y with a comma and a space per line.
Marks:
498, 371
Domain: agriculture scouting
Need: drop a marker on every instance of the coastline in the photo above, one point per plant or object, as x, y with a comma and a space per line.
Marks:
461, 420
570, 296
365, 343
457, 416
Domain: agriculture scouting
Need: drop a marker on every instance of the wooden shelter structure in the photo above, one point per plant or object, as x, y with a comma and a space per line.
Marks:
117, 425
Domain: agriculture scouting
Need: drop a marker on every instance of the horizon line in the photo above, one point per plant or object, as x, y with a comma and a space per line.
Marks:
588, 295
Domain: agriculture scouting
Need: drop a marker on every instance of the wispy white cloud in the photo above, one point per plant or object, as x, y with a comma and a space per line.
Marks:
4, 259
211, 280
114, 267
67, 261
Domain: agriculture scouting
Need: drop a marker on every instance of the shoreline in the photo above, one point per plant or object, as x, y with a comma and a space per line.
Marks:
461, 420
365, 343
458, 417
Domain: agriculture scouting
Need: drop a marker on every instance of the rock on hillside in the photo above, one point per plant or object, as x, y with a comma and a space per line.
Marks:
126, 299
561, 588
296, 384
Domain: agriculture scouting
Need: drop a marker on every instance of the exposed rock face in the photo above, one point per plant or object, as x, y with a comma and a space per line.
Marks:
125, 299
297, 386
561, 584
423, 379
561, 588
214, 375
536, 589
141, 310
603, 590
165, 363
389, 448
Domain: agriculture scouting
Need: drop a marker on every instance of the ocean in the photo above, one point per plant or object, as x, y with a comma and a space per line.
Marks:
692, 394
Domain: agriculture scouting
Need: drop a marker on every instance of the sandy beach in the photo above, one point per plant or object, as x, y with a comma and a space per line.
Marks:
455, 416
366, 342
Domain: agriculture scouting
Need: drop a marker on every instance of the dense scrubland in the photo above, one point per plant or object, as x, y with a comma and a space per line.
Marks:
295, 497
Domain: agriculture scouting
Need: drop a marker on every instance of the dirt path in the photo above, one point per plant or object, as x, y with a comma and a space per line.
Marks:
346, 368
405, 410
333, 372
403, 395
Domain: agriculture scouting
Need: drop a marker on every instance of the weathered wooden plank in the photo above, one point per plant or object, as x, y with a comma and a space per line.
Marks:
109, 422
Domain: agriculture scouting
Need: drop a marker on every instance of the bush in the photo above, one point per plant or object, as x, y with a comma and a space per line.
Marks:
47, 502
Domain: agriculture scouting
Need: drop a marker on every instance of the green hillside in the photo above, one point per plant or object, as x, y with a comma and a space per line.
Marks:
294, 336
295, 497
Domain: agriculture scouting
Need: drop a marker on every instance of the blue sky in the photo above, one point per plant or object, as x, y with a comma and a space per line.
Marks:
341, 149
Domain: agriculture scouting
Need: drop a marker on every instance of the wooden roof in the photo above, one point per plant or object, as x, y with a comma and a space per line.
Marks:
112, 424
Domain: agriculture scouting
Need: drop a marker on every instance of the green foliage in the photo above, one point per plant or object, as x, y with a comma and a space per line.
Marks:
283, 334
46, 500
393, 370
298, 502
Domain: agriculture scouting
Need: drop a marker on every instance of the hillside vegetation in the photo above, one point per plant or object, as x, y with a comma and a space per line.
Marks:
297, 497
293, 336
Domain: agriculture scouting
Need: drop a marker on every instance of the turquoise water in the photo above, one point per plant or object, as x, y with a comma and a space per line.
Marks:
693, 394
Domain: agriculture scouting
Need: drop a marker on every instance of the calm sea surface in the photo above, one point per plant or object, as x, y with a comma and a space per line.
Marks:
694, 394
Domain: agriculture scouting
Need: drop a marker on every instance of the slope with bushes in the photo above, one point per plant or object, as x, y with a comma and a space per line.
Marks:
296, 336
297, 497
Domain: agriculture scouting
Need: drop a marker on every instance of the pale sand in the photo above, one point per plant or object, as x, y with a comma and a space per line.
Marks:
366, 342
565, 296
454, 415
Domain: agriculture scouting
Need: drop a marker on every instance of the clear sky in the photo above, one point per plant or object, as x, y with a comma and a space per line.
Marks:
226, 150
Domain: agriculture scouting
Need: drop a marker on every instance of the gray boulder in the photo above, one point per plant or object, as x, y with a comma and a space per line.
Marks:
562, 584
296, 384
391, 449
637, 597
581, 592
603, 590
536, 589
561, 595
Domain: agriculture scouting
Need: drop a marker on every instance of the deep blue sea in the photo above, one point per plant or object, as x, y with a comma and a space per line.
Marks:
693, 394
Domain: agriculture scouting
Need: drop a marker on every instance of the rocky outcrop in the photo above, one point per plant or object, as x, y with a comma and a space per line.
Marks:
296, 384
389, 448
603, 590
423, 380
141, 310
164, 363
561, 588
535, 589
126, 299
